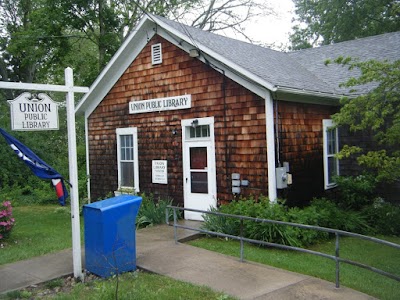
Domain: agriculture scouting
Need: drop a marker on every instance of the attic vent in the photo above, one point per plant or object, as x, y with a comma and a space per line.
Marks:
156, 54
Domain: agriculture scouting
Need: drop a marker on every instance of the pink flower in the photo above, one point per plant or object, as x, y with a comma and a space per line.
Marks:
6, 219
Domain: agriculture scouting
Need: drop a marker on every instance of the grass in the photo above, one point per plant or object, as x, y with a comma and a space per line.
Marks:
42, 229
38, 230
133, 285
382, 257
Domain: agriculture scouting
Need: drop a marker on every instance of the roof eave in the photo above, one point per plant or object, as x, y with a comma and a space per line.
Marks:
307, 96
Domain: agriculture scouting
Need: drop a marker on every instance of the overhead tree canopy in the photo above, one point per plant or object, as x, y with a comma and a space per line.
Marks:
39, 37
325, 22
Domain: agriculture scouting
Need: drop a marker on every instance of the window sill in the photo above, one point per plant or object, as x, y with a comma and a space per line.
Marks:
125, 191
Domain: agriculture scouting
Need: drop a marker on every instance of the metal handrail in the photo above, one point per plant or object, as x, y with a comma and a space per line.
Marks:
242, 239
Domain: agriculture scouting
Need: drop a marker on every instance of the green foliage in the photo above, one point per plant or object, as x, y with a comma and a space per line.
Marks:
19, 295
152, 211
383, 216
376, 113
321, 213
17, 182
355, 192
133, 286
332, 21
54, 283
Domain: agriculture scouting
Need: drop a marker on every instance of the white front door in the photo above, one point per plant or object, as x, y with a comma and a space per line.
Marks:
199, 171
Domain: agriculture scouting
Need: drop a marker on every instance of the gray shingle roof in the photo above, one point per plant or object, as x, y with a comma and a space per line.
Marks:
380, 47
301, 73
303, 69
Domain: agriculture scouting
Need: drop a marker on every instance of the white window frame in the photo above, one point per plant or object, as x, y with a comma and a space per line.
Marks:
128, 131
328, 124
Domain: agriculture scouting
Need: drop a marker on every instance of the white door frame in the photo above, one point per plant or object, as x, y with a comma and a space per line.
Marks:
191, 200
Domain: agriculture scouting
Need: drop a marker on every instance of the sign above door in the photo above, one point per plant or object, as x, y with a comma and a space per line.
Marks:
160, 104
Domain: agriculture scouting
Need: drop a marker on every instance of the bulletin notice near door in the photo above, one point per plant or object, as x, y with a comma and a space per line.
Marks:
159, 171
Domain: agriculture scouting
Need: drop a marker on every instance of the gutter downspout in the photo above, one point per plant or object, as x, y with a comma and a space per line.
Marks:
87, 158
269, 123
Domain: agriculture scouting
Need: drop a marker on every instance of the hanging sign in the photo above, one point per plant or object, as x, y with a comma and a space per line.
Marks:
33, 112
159, 172
160, 104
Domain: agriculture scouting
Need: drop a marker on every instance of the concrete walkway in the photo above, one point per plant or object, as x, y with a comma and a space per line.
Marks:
158, 253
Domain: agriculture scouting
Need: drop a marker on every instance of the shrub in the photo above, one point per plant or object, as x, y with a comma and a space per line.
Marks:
220, 224
332, 216
151, 211
321, 213
6, 219
383, 217
355, 191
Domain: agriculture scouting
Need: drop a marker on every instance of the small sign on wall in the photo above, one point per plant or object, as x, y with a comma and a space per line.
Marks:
33, 112
159, 171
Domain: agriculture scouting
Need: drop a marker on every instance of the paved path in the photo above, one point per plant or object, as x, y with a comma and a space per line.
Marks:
158, 253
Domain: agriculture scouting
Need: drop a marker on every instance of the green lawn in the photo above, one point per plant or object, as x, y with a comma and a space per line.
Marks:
38, 229
41, 229
131, 286
383, 257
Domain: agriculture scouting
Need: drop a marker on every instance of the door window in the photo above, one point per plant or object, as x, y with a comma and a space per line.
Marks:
198, 170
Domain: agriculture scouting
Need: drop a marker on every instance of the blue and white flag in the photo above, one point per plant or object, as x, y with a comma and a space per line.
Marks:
38, 166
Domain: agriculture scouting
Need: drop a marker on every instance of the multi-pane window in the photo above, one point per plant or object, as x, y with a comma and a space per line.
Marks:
128, 171
331, 148
200, 131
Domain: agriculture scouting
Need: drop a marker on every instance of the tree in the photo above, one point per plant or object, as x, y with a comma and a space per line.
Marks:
377, 112
106, 23
26, 49
325, 22
38, 36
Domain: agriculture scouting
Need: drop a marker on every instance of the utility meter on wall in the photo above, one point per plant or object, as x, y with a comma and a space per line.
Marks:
283, 178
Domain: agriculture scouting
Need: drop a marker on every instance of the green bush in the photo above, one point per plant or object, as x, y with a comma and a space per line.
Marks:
384, 217
221, 224
152, 211
355, 191
321, 213
332, 216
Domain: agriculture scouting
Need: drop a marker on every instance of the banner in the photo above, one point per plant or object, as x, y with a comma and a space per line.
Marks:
38, 166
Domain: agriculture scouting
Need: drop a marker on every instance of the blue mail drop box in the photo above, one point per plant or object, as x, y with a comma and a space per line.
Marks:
110, 237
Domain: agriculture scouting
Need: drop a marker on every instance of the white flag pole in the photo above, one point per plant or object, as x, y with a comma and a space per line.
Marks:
73, 176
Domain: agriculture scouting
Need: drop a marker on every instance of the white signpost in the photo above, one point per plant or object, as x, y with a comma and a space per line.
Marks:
35, 108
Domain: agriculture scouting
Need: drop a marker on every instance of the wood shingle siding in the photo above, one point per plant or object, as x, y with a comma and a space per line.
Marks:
240, 146
301, 144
